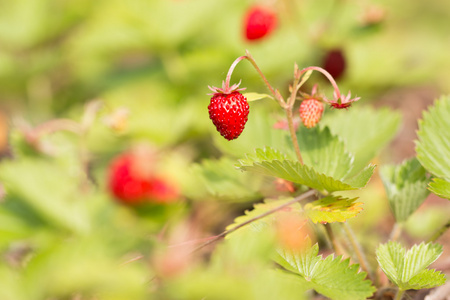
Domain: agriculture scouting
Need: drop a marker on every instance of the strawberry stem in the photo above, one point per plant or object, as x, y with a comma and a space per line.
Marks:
337, 93
230, 71
276, 95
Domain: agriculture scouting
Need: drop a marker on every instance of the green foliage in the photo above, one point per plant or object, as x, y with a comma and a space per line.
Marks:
440, 187
406, 187
259, 133
332, 209
273, 163
331, 277
433, 146
265, 222
256, 96
365, 131
407, 269
325, 152
221, 180
239, 268
33, 191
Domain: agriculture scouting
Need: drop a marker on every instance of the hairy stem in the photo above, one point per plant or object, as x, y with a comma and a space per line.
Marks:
293, 134
231, 69
328, 76
358, 250
267, 213
276, 95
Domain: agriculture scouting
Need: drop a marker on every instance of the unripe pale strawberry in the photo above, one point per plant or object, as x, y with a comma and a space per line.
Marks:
229, 113
259, 22
132, 181
311, 112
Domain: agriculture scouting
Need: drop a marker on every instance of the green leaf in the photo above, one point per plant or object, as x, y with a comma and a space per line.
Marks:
407, 269
259, 132
45, 192
259, 209
364, 130
331, 277
256, 96
406, 187
222, 180
325, 152
332, 209
433, 146
440, 187
271, 162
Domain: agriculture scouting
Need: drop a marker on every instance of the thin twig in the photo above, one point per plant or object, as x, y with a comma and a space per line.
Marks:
358, 250
226, 232
336, 246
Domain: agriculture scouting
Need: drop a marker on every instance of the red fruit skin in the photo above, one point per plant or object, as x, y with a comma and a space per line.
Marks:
229, 113
335, 63
132, 187
259, 22
311, 111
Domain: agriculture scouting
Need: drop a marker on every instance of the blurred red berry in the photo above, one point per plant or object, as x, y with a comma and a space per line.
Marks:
259, 22
334, 63
132, 181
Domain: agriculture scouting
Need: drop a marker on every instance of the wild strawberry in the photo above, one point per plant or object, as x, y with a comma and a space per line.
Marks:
228, 110
334, 63
311, 112
132, 180
259, 22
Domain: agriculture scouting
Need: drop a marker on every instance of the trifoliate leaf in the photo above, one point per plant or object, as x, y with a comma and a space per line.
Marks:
222, 180
256, 96
440, 187
332, 209
433, 146
271, 162
365, 131
404, 267
406, 187
331, 277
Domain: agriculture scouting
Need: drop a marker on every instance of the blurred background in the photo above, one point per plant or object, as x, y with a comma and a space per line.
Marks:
147, 64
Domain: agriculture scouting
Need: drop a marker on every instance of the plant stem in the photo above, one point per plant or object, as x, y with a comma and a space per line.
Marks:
337, 247
293, 133
273, 210
399, 294
395, 233
330, 78
439, 233
358, 250
276, 95
231, 69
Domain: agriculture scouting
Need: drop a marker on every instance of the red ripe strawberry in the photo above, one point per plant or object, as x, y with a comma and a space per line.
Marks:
132, 181
311, 112
334, 62
229, 113
259, 22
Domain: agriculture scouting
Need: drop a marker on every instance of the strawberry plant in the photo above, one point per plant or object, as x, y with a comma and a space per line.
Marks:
323, 159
